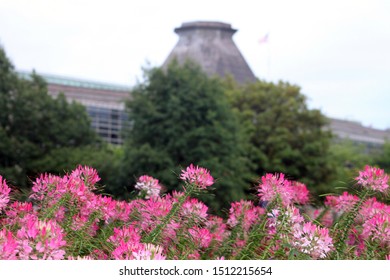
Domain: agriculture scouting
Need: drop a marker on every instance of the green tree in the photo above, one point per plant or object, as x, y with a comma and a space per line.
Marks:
382, 159
348, 158
32, 123
285, 136
181, 116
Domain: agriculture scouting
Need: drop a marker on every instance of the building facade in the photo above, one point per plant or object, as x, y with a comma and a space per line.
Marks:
104, 103
356, 132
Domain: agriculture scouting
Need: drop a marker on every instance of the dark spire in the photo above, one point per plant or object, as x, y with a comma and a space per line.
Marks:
210, 44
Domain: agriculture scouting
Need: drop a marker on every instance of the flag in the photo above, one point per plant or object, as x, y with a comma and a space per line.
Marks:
264, 39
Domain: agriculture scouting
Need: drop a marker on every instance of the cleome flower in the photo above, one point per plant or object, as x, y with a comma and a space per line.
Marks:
341, 203
284, 220
197, 175
244, 212
290, 192
201, 236
127, 246
272, 186
4, 193
373, 178
312, 240
148, 186
40, 240
149, 252
378, 228
8, 245
194, 209
300, 193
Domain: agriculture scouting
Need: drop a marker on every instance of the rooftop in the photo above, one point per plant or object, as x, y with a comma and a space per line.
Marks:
210, 44
75, 82
206, 25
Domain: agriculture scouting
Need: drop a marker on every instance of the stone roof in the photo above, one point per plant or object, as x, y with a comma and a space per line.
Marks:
210, 44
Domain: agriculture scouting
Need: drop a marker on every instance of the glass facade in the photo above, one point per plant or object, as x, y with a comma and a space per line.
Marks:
104, 102
108, 123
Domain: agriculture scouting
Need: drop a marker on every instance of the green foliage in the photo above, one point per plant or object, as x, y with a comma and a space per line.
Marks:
105, 158
285, 136
347, 157
383, 158
33, 124
181, 116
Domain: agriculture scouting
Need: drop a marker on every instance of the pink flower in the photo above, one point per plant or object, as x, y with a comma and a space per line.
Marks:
201, 236
197, 175
127, 245
47, 186
78, 258
372, 207
355, 240
194, 256
378, 228
300, 193
217, 228
88, 174
4, 193
112, 210
272, 186
244, 213
17, 217
195, 210
41, 240
312, 240
373, 178
126, 234
149, 252
150, 212
341, 203
8, 245
284, 220
149, 186
125, 250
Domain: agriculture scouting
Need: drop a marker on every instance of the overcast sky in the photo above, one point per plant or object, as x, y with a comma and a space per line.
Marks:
338, 52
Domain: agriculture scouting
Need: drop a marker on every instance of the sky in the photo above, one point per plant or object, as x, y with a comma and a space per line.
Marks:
336, 51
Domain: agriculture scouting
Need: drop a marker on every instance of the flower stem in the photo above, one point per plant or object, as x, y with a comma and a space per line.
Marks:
343, 228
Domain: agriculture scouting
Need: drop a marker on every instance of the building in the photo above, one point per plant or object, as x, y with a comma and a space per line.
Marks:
209, 44
105, 103
354, 131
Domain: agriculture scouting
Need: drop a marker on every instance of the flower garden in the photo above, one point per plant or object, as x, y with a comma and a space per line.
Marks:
67, 218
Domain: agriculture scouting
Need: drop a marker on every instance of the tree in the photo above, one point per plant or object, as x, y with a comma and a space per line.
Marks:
382, 158
285, 136
348, 158
32, 123
181, 116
